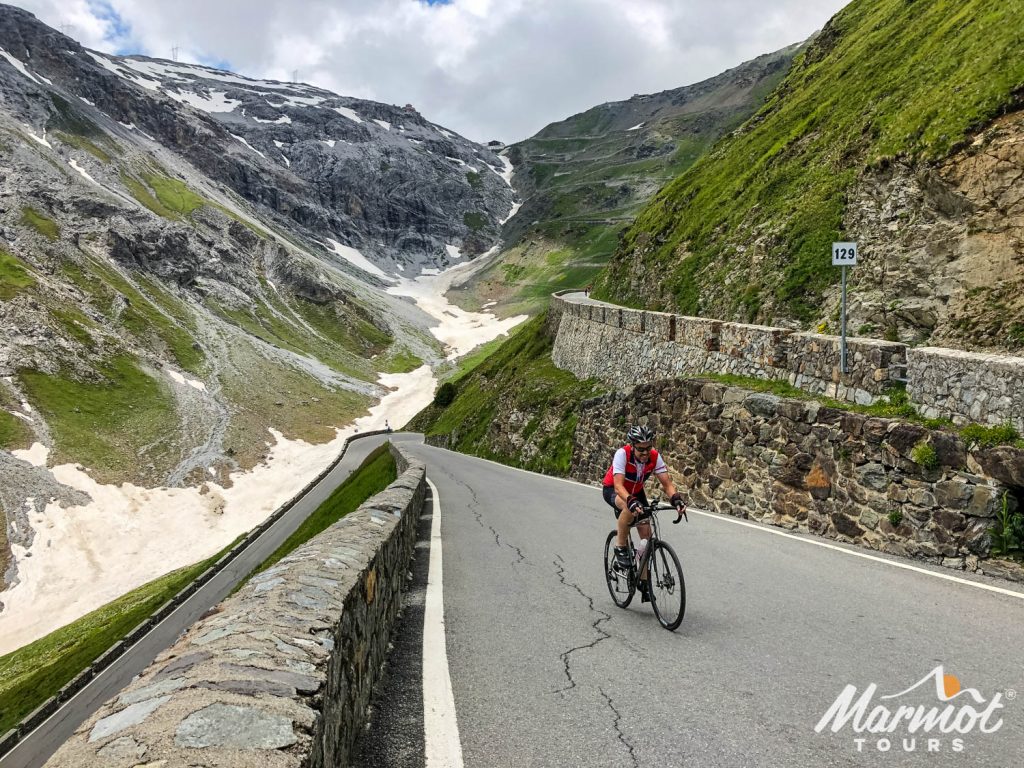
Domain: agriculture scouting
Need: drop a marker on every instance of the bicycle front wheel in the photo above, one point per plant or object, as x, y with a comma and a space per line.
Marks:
668, 590
620, 585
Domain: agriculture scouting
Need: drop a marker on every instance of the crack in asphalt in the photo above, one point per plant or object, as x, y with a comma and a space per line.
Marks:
475, 509
518, 551
604, 635
618, 730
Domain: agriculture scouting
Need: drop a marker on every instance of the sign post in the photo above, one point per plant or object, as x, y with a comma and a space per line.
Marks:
844, 255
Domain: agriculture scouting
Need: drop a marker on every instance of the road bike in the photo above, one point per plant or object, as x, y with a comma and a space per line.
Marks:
666, 587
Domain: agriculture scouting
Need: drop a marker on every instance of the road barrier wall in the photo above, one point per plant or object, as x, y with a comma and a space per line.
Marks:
39, 715
625, 346
280, 673
880, 483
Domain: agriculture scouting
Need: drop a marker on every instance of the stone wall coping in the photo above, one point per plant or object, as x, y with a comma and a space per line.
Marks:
862, 341
751, 328
963, 355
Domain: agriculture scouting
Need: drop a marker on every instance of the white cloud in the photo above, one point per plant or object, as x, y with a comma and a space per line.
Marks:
485, 68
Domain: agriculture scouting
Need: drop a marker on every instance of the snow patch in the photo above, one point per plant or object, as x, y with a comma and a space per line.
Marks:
636, 127
290, 100
42, 140
143, 533
460, 331
282, 120
216, 102
182, 380
383, 124
16, 63
453, 252
349, 113
74, 164
354, 257
511, 213
36, 455
250, 146
507, 173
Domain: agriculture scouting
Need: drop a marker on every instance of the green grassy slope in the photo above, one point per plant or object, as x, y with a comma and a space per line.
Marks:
584, 179
884, 79
518, 377
32, 674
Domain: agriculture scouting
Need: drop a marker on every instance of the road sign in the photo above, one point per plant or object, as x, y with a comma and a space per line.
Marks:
844, 254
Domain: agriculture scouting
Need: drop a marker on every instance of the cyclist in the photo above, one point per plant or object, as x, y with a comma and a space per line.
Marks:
623, 489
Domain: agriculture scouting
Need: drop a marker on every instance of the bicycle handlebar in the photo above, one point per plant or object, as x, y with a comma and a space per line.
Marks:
658, 507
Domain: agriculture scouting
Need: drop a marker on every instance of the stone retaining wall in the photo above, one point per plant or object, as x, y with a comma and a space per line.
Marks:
280, 673
803, 466
966, 386
624, 346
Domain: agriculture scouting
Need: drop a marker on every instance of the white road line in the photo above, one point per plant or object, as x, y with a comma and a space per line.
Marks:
440, 726
853, 553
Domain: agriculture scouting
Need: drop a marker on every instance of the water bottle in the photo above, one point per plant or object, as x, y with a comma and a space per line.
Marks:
640, 549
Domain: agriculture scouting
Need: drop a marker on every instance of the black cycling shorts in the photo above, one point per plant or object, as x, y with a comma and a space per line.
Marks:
609, 496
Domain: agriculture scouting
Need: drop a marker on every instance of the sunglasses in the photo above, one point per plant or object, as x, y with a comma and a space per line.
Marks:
643, 448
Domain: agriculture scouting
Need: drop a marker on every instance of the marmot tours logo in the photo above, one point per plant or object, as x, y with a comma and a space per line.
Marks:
931, 715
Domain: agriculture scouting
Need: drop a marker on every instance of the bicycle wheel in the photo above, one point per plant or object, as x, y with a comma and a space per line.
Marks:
668, 590
620, 585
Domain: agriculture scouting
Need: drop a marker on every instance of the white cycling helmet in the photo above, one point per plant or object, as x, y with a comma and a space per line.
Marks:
640, 434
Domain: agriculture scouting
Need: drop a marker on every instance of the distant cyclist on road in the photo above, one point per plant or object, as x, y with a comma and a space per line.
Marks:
624, 482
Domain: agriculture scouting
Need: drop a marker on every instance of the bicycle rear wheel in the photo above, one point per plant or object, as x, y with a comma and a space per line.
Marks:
620, 585
668, 590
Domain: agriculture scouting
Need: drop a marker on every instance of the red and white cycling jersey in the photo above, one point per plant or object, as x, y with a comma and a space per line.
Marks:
635, 472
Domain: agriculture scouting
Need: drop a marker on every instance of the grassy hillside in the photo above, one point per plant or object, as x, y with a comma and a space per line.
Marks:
745, 232
517, 384
584, 179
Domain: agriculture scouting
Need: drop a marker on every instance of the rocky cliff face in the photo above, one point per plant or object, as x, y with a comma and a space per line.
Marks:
375, 177
189, 257
950, 242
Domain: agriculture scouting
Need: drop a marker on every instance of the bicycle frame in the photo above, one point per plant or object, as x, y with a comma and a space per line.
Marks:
650, 517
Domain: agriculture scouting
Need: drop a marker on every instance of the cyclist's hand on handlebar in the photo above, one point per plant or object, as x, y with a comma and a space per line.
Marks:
633, 505
680, 505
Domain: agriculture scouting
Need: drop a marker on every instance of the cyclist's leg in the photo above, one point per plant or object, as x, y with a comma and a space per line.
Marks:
623, 519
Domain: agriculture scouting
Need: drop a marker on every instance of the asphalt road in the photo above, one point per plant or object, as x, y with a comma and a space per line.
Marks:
38, 746
546, 671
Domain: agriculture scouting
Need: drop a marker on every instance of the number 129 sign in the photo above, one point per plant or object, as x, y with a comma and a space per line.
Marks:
844, 254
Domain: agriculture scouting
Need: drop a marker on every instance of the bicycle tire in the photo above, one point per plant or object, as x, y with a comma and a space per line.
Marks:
614, 578
667, 586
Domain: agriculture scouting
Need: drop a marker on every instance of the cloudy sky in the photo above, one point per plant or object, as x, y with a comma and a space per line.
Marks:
488, 69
